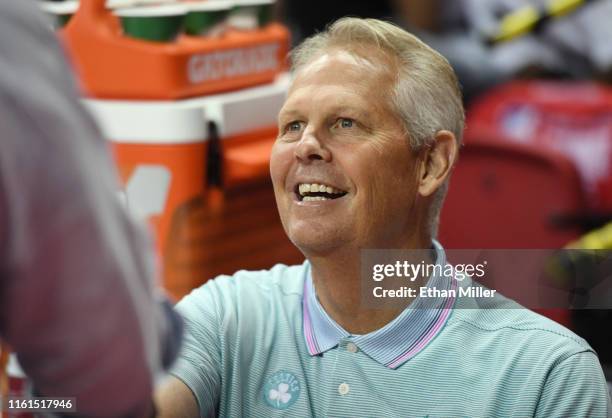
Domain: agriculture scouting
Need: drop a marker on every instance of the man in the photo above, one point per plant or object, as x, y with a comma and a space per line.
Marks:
367, 139
77, 302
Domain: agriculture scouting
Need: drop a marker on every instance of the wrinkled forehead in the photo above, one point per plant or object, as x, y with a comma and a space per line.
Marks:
344, 56
356, 52
348, 64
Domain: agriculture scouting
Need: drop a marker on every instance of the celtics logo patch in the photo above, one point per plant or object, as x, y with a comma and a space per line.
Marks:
281, 390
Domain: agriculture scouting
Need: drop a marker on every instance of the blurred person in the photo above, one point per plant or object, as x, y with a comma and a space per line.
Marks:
443, 23
573, 46
570, 46
77, 301
368, 136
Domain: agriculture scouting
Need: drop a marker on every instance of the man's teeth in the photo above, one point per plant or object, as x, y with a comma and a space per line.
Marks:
314, 188
313, 198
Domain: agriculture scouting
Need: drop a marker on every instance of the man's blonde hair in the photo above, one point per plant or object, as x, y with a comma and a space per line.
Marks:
426, 95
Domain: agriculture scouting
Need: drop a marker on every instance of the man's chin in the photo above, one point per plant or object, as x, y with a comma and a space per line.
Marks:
316, 243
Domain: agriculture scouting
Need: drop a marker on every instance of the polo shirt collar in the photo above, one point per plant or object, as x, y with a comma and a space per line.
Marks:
395, 343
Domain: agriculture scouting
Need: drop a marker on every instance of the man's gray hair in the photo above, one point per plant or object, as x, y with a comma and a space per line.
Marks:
426, 96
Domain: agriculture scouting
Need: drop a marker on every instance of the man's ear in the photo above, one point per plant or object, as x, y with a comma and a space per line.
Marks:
438, 160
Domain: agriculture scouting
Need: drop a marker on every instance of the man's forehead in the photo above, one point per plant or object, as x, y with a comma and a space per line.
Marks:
334, 65
333, 100
325, 59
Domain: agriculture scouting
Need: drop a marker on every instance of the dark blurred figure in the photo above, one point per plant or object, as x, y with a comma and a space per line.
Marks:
77, 299
432, 20
575, 46
565, 42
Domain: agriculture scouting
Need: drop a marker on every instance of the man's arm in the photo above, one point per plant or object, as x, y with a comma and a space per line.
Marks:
194, 389
174, 399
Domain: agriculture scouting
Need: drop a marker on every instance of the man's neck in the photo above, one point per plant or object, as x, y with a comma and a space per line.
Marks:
337, 283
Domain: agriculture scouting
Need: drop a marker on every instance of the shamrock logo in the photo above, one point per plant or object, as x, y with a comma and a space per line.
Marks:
280, 394
281, 390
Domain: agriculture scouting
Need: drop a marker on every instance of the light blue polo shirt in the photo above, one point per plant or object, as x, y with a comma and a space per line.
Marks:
259, 344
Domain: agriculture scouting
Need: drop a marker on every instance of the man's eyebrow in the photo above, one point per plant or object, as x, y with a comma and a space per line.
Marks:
349, 111
288, 114
338, 110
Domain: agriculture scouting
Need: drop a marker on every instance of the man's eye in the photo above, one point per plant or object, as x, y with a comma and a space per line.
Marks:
345, 123
294, 126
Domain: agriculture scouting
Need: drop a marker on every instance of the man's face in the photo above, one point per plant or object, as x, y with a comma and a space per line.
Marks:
337, 130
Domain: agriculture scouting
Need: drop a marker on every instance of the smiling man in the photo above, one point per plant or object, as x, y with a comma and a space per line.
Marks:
367, 139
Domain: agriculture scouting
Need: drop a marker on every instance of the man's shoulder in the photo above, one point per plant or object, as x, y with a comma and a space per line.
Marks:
502, 319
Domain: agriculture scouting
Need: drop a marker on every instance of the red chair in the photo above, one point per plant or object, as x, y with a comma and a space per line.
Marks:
573, 118
505, 195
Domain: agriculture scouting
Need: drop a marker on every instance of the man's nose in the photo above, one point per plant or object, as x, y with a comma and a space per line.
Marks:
311, 148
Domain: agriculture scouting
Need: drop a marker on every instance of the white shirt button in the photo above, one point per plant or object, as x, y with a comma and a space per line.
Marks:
352, 348
343, 389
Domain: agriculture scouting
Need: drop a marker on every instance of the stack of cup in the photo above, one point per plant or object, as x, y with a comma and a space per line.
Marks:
164, 22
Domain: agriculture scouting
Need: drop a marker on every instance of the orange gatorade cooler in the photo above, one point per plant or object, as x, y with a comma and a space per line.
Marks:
242, 229
160, 151
197, 170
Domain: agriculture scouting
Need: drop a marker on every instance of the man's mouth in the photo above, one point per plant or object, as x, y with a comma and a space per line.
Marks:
308, 192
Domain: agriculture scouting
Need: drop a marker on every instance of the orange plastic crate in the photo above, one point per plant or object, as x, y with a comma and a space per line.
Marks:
114, 65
